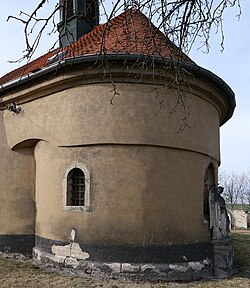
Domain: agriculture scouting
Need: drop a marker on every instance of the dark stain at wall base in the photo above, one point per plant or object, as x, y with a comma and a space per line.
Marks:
138, 254
17, 244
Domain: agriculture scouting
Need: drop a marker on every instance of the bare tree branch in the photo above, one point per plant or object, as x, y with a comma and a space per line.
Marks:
235, 187
182, 21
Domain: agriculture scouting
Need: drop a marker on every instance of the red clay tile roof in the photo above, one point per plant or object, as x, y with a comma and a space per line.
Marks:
129, 33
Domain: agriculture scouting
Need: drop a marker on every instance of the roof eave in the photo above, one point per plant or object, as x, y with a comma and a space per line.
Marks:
190, 67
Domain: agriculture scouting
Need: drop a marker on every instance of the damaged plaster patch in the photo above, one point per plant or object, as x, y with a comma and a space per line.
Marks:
178, 268
71, 262
72, 250
196, 266
116, 267
129, 268
58, 259
69, 254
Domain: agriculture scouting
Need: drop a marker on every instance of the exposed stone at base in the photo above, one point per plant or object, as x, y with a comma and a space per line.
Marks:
223, 266
72, 250
203, 261
128, 271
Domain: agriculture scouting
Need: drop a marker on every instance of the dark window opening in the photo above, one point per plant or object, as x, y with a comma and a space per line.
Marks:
206, 200
209, 182
67, 9
91, 11
75, 188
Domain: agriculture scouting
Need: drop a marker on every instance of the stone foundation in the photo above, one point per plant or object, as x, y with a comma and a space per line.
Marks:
198, 261
163, 263
187, 271
223, 259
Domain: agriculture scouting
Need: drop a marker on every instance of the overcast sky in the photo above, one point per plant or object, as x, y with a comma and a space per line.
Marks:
232, 66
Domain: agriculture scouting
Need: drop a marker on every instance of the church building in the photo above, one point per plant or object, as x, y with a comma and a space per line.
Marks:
106, 160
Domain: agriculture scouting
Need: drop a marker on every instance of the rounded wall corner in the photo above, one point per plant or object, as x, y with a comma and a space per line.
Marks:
27, 143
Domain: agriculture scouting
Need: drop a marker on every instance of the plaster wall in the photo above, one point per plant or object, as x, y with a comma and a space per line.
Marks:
83, 115
138, 195
145, 176
17, 183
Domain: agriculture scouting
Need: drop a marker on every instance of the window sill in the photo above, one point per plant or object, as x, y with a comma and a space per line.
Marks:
76, 209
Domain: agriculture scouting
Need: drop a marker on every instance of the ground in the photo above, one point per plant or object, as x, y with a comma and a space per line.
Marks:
23, 274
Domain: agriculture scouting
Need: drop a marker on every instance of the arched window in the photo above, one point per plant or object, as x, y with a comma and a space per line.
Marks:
76, 188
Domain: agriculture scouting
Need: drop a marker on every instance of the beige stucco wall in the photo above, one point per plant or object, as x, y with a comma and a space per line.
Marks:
145, 177
83, 115
139, 195
17, 180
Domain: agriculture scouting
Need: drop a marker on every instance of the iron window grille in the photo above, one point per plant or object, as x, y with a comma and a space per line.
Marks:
75, 188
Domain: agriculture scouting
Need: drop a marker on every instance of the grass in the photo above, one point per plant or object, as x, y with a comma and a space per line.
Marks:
16, 274
242, 252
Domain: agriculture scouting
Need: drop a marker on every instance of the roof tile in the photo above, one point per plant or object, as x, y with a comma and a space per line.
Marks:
129, 33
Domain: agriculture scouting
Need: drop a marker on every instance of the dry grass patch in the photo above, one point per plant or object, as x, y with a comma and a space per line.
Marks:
241, 241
